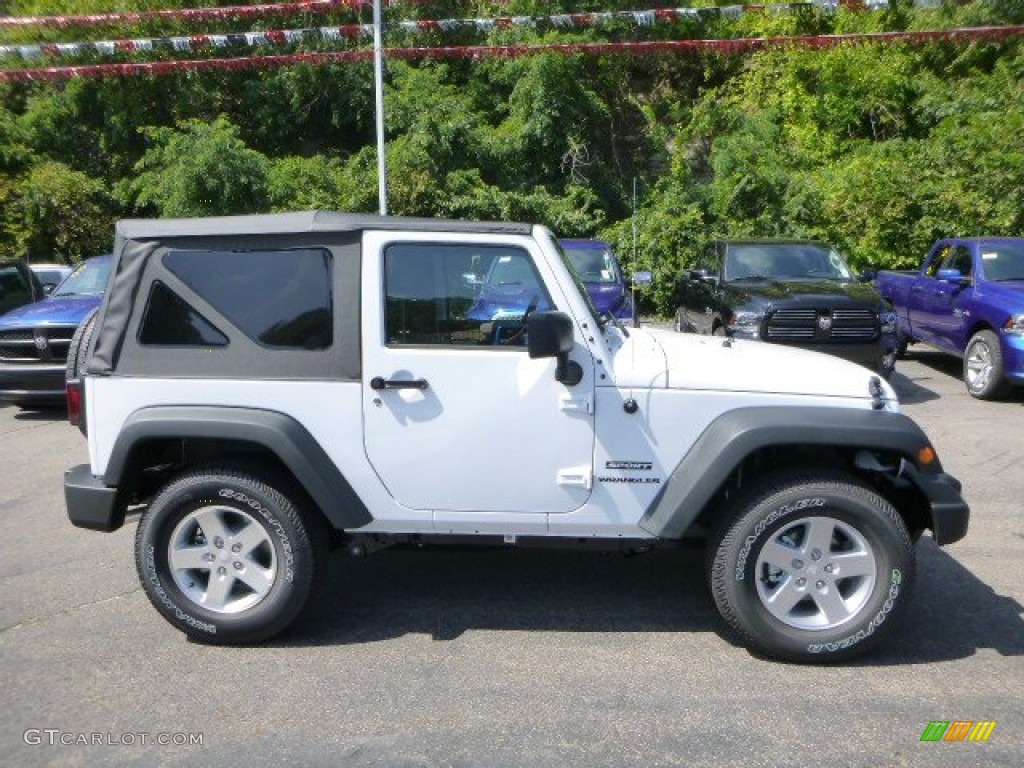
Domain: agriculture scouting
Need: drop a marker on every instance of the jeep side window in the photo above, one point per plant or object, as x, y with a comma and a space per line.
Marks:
278, 299
429, 300
169, 320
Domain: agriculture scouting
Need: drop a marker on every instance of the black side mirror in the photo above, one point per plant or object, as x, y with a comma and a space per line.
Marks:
868, 275
48, 288
550, 334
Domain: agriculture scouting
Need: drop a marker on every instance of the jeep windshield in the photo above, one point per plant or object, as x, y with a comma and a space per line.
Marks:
784, 261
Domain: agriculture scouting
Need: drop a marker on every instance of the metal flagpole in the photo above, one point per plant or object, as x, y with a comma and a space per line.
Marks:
378, 87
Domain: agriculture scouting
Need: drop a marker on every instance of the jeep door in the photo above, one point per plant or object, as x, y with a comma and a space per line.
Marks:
457, 417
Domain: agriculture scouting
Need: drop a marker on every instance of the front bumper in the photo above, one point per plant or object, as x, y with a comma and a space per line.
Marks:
90, 503
949, 512
1013, 357
26, 384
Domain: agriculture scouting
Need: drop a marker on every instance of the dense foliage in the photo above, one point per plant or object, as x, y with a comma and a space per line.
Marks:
878, 149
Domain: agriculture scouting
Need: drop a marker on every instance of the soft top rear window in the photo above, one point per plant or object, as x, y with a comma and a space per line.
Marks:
278, 298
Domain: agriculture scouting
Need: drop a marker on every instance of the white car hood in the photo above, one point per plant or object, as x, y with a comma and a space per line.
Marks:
666, 359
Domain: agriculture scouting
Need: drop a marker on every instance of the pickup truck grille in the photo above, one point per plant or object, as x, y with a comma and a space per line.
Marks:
36, 345
821, 325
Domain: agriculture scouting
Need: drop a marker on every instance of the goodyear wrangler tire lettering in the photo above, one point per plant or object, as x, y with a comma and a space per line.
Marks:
811, 566
226, 557
894, 591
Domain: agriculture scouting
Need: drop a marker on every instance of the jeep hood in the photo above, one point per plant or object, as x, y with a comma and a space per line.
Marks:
670, 360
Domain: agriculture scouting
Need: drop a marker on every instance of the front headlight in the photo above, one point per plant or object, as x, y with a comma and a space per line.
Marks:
746, 324
888, 322
1015, 325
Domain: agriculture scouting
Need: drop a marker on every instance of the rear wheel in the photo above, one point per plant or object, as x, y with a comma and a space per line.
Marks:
227, 558
812, 567
983, 367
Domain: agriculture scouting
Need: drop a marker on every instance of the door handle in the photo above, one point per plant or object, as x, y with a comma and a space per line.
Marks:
379, 383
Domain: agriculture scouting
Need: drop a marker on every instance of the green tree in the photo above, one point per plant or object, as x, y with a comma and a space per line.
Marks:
61, 214
305, 183
199, 169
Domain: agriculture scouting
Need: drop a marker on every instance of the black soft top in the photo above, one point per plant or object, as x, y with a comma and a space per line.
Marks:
136, 240
299, 222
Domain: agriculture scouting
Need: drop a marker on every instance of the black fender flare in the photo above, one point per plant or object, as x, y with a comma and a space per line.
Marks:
733, 436
277, 432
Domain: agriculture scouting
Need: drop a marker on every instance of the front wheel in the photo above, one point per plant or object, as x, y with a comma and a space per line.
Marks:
812, 567
983, 367
227, 558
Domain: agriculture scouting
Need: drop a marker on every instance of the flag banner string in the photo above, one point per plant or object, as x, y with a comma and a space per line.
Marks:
734, 46
323, 7
645, 18
204, 14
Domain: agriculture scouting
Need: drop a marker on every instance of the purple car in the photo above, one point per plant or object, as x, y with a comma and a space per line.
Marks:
601, 274
34, 338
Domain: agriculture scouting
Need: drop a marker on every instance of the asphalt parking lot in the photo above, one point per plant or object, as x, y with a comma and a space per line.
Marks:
507, 657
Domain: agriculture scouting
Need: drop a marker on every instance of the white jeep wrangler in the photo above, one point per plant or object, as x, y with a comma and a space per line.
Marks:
261, 385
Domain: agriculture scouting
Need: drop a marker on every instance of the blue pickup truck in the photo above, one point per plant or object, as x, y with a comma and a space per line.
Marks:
35, 338
966, 299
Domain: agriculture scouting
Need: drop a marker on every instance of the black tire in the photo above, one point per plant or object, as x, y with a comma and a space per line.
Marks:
780, 522
984, 371
79, 343
77, 355
902, 345
280, 548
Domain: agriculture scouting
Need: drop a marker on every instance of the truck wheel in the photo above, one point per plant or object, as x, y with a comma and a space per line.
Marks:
812, 567
226, 558
983, 367
902, 344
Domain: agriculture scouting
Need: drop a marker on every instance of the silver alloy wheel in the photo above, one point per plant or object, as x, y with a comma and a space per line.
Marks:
979, 365
222, 559
816, 573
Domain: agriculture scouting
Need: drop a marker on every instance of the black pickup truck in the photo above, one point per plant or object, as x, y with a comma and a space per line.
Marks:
795, 292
